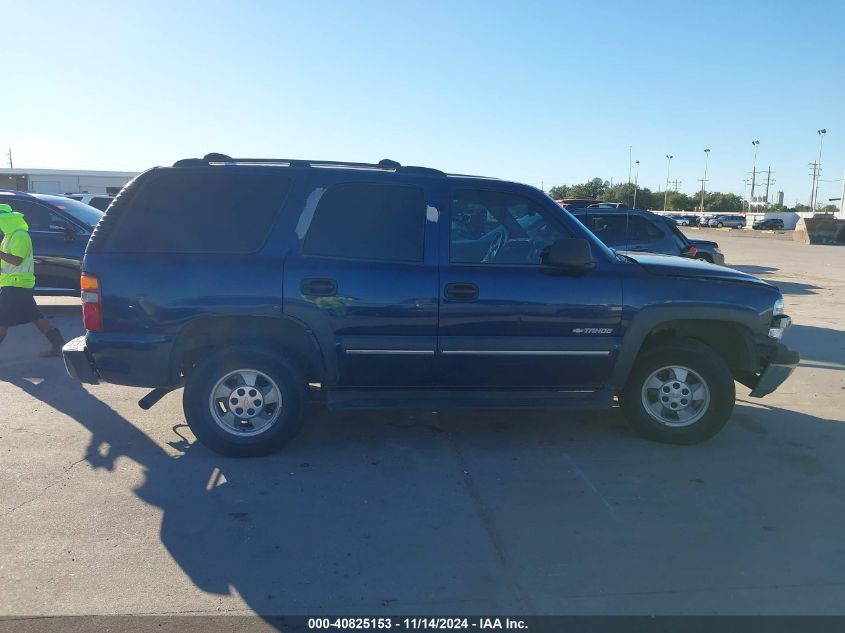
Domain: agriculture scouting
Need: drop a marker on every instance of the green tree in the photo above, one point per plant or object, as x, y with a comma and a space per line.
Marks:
723, 202
829, 208
677, 201
594, 189
559, 191
622, 192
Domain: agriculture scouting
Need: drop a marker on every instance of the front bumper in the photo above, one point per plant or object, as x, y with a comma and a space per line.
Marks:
78, 361
779, 367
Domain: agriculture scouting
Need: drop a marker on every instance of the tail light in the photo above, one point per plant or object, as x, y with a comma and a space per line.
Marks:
692, 251
92, 302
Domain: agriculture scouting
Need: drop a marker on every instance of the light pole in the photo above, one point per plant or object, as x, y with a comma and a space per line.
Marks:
704, 180
817, 172
753, 174
636, 179
666, 194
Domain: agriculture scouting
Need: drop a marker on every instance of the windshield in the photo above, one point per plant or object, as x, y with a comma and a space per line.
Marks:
77, 210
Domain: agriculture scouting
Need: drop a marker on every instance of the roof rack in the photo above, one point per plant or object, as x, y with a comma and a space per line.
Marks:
385, 164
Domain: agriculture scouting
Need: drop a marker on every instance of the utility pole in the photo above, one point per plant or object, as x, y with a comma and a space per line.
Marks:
753, 174
768, 182
636, 180
630, 148
841, 198
818, 171
666, 195
11, 164
676, 185
704, 180
814, 165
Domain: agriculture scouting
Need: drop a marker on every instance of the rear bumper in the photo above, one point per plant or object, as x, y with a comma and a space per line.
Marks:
136, 360
78, 361
779, 368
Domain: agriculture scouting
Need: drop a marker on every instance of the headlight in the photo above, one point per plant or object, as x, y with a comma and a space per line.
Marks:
780, 322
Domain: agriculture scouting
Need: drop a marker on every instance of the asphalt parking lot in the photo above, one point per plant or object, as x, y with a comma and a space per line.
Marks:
107, 509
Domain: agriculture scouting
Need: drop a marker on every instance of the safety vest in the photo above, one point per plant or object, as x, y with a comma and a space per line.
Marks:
22, 275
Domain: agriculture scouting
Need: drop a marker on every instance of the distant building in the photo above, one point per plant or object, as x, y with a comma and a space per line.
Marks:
64, 180
780, 198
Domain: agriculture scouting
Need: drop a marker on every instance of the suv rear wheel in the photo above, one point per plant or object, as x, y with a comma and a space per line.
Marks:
679, 393
244, 402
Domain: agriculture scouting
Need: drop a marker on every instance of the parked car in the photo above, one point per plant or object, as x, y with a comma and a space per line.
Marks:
680, 220
731, 221
98, 201
768, 224
385, 286
60, 228
643, 231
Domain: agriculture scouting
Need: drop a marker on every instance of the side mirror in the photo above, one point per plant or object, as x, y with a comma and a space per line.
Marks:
570, 255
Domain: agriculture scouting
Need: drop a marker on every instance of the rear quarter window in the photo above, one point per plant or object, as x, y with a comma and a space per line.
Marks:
369, 221
218, 210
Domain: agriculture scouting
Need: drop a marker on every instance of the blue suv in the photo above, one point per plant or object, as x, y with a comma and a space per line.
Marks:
642, 231
257, 283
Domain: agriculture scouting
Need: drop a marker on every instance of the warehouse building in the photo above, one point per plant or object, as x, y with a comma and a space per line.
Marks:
60, 181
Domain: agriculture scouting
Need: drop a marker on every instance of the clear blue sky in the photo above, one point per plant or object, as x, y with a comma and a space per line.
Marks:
530, 91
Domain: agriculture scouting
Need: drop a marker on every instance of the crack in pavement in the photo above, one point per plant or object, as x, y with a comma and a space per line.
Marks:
489, 524
40, 493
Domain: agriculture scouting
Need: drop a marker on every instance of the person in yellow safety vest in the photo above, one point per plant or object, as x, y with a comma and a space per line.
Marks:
17, 279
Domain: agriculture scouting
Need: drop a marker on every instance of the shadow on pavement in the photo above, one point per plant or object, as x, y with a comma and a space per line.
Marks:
482, 512
817, 344
755, 270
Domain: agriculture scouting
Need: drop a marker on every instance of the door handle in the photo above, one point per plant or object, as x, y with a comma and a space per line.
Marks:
318, 287
461, 291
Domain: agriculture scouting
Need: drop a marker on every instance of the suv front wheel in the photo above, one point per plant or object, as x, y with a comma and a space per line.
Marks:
681, 392
244, 402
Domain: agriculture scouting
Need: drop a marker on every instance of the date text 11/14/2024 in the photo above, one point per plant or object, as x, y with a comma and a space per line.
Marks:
484, 624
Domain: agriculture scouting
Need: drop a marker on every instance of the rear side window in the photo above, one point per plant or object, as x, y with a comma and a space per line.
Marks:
100, 203
640, 229
619, 230
369, 221
220, 210
37, 216
610, 229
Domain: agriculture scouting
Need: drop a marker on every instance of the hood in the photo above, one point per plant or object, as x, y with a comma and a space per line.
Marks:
12, 222
672, 266
703, 243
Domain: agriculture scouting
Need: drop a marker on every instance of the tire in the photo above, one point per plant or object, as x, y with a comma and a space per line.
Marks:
705, 258
267, 427
719, 225
707, 371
